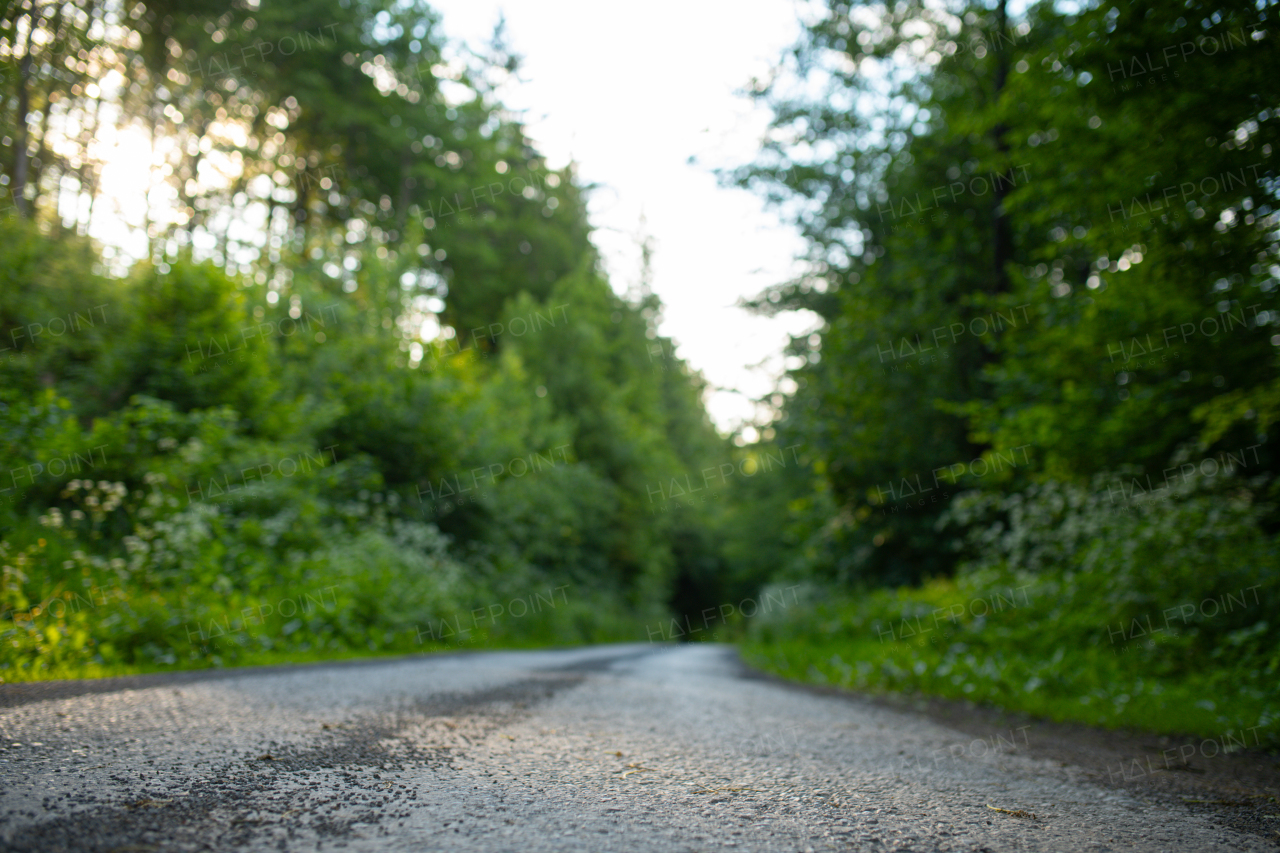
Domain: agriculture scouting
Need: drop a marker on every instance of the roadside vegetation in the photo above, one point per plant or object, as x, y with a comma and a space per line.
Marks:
404, 412
1039, 406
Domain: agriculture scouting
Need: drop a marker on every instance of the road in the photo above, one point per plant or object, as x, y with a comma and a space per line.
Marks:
643, 747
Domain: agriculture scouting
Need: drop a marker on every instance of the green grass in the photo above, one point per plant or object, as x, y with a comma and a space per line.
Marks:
91, 670
1025, 657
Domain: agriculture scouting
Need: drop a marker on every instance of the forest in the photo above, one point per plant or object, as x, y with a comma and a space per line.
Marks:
369, 389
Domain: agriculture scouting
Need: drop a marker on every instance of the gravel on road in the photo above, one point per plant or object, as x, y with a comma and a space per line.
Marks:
641, 747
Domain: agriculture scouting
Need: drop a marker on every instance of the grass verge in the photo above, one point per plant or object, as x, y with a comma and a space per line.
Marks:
1009, 646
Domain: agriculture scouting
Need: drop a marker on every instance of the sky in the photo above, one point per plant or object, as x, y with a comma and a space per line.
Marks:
631, 92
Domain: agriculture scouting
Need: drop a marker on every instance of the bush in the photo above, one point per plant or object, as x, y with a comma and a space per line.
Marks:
1073, 607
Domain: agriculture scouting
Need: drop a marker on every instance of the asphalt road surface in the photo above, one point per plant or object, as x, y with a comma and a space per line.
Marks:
648, 747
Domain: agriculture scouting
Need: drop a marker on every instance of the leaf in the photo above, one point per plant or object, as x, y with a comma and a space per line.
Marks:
1014, 812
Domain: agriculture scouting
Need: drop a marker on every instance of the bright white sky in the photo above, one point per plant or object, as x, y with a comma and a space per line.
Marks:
631, 92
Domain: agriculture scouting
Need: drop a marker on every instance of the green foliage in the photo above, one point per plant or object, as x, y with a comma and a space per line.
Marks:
996, 257
392, 393
1157, 614
1049, 233
404, 403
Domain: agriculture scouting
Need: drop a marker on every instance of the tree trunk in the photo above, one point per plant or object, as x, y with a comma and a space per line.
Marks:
91, 170
402, 204
43, 154
1003, 241
21, 160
